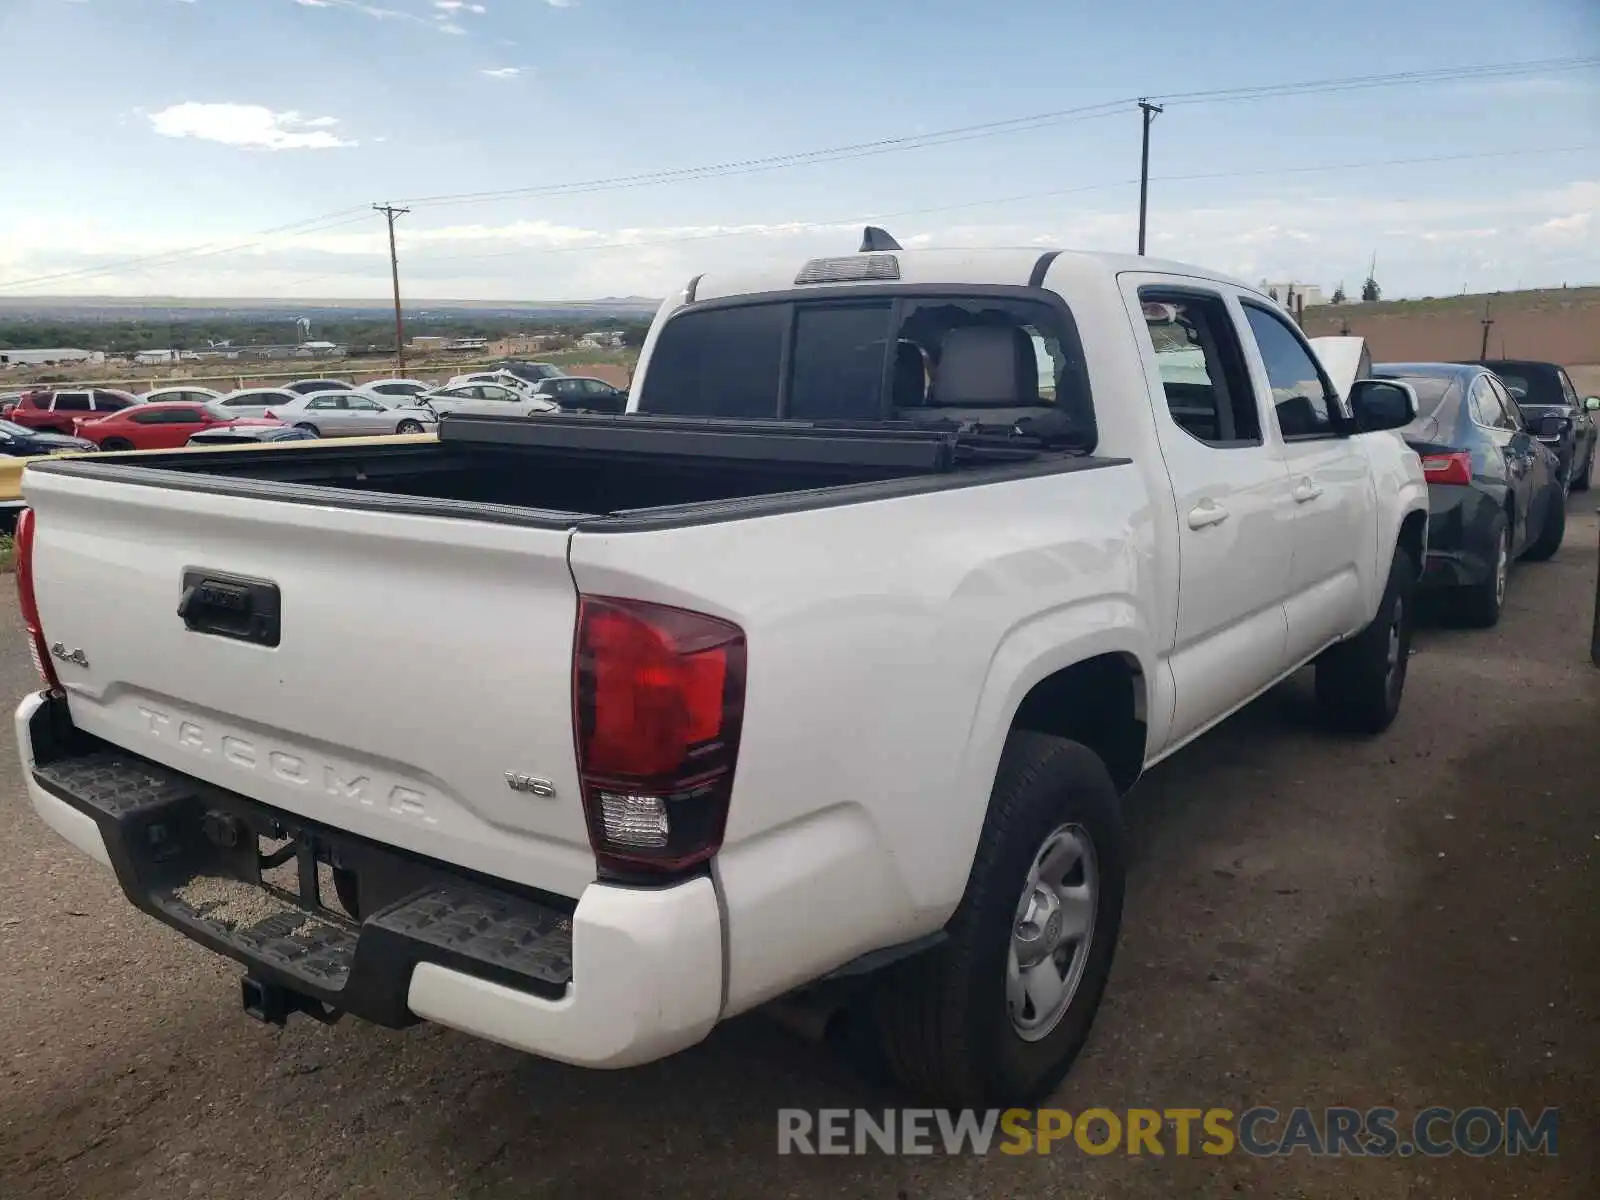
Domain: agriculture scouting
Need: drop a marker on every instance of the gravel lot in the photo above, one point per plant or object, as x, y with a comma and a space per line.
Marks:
1413, 920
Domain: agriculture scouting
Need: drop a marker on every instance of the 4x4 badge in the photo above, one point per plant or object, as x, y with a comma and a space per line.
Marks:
529, 783
74, 655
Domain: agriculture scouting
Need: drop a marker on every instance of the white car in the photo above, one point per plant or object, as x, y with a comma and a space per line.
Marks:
254, 402
184, 393
741, 706
353, 414
499, 378
400, 390
487, 399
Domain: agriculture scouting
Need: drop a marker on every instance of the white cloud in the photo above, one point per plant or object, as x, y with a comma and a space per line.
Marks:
455, 6
562, 3
249, 125
501, 72
441, 22
1540, 237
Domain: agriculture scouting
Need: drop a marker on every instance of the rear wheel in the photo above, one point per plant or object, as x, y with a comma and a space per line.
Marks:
116, 444
1554, 530
1480, 604
997, 1012
409, 427
309, 428
1360, 681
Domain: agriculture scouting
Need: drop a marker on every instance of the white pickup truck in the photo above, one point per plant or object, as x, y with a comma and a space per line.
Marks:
824, 669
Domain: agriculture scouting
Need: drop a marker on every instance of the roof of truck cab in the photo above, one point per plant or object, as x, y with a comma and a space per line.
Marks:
1011, 267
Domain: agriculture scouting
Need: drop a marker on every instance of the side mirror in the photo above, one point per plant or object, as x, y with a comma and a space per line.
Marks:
1379, 404
1592, 404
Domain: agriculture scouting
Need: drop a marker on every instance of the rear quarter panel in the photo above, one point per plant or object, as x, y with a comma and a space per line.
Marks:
889, 645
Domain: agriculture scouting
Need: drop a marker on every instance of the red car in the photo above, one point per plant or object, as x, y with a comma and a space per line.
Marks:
160, 426
54, 410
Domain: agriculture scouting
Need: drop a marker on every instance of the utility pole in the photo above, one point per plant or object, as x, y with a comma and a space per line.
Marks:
1487, 323
1149, 112
391, 212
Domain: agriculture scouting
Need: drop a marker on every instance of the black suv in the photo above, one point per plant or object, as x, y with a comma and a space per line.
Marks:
1554, 412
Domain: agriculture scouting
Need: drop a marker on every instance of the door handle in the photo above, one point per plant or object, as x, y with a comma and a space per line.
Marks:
1306, 492
1207, 512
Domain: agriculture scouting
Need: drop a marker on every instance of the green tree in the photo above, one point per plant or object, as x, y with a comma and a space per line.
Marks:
1370, 291
1338, 294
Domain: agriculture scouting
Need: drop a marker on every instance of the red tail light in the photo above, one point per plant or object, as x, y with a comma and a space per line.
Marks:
22, 544
1447, 468
658, 695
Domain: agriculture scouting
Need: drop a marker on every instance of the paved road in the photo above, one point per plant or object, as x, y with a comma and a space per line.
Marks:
1413, 920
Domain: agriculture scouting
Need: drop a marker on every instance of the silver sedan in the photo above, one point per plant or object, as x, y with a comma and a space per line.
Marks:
353, 414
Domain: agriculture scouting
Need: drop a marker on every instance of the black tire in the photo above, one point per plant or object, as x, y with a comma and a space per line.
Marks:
409, 427
309, 428
941, 1022
1480, 604
1360, 682
116, 444
1552, 532
1580, 481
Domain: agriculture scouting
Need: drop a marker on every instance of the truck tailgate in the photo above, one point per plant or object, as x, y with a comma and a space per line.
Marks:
420, 661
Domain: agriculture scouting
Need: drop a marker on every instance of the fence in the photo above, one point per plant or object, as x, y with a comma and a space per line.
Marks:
241, 379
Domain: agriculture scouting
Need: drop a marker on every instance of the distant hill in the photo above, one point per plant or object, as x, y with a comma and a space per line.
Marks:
170, 308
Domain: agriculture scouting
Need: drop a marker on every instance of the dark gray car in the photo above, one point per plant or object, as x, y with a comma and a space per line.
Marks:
1553, 409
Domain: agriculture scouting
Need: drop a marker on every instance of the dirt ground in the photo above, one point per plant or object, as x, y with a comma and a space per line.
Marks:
1412, 920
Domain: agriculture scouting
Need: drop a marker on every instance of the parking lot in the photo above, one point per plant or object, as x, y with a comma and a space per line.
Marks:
1412, 921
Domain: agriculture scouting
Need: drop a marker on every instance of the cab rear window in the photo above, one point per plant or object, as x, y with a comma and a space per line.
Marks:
868, 358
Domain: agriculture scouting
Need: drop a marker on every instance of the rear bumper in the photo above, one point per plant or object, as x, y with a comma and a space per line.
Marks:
1460, 546
625, 976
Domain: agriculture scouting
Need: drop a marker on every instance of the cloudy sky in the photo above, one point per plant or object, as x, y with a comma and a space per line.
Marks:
557, 149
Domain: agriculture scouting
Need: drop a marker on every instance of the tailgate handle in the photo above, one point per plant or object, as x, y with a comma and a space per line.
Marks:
231, 606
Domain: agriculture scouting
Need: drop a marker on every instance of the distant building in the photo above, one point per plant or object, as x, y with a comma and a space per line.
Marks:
466, 346
1292, 295
425, 344
41, 358
602, 339
153, 358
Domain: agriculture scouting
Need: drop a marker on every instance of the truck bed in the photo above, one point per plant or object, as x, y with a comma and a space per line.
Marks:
560, 471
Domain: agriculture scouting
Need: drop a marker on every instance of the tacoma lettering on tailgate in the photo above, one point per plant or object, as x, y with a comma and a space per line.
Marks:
346, 784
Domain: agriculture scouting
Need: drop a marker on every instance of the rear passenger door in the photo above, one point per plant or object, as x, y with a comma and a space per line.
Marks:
1234, 514
1527, 473
1334, 505
328, 414
68, 407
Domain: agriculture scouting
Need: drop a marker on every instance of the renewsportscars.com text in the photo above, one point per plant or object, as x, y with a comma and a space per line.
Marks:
1262, 1132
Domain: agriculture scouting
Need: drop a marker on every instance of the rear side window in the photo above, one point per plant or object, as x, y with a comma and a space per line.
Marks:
1202, 369
72, 402
110, 402
1485, 405
719, 362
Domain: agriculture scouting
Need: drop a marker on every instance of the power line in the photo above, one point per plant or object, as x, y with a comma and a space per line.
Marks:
987, 202
1015, 125
1413, 78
